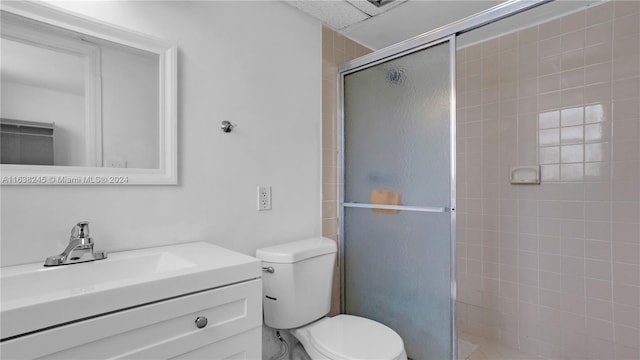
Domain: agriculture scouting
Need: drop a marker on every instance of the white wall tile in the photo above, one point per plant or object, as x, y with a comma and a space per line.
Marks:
568, 251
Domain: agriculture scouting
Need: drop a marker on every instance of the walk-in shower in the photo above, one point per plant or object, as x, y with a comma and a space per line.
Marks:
435, 241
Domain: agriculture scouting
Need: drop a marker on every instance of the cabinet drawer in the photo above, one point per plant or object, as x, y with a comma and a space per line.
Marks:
167, 326
245, 346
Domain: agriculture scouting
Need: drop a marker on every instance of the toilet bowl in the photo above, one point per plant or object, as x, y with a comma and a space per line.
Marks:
350, 337
297, 283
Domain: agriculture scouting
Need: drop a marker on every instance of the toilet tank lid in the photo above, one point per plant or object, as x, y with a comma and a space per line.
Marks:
295, 251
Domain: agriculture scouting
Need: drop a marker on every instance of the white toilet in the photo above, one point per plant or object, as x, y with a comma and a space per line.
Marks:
297, 296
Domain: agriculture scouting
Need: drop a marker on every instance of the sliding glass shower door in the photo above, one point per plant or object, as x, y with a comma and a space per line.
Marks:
397, 198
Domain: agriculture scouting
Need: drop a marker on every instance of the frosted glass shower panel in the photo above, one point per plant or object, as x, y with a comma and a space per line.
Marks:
398, 272
397, 152
397, 130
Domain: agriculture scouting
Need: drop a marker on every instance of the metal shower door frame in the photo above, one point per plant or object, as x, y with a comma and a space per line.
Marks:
438, 36
451, 40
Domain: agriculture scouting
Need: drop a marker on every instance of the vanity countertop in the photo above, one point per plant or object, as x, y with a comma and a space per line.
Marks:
34, 297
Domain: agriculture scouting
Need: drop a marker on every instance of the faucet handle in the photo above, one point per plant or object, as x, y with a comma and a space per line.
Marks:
80, 230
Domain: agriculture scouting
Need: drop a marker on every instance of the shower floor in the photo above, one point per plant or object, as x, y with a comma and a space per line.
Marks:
490, 350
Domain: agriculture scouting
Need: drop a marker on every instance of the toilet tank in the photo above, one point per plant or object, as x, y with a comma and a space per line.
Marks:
298, 291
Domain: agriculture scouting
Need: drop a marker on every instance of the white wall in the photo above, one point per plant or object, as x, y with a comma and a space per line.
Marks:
66, 110
256, 64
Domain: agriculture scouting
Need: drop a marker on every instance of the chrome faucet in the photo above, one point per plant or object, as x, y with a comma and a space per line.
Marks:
80, 248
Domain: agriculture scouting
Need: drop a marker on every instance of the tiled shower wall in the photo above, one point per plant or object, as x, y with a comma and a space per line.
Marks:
553, 269
336, 49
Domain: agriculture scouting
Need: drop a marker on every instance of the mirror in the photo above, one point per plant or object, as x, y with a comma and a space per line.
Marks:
84, 102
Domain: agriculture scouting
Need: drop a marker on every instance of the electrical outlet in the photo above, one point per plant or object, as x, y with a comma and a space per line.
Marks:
264, 198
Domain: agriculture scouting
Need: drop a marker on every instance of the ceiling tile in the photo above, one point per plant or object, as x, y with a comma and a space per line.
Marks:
336, 14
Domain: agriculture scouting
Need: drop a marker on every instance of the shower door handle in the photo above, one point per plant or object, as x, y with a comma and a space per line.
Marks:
399, 207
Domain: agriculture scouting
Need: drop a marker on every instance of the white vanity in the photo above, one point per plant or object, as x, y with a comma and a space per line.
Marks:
192, 300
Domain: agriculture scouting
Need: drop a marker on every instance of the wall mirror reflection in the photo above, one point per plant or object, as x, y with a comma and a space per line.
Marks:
73, 100
81, 96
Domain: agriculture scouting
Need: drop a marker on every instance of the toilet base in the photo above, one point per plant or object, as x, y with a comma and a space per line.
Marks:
298, 352
302, 334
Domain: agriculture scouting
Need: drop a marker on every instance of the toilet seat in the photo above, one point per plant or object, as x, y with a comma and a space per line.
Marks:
353, 337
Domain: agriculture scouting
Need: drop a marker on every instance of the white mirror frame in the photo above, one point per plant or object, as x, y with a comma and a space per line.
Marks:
167, 174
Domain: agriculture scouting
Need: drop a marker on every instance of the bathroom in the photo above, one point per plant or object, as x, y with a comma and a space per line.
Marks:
552, 270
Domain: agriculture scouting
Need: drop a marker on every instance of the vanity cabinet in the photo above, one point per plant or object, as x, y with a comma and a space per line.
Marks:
159, 330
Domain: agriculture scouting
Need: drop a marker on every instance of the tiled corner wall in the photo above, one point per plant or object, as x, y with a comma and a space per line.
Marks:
336, 49
553, 269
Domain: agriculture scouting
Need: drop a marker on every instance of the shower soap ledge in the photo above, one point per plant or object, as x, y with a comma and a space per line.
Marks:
521, 175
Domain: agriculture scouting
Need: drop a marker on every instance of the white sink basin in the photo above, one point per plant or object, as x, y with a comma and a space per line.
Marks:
34, 297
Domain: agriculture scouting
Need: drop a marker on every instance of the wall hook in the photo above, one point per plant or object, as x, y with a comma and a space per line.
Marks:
227, 126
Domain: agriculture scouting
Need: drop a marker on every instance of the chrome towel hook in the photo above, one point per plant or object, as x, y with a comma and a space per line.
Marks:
227, 126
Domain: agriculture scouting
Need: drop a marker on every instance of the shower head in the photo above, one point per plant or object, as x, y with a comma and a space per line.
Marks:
394, 73
395, 76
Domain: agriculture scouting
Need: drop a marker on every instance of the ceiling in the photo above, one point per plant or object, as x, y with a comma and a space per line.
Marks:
393, 22
400, 20
341, 14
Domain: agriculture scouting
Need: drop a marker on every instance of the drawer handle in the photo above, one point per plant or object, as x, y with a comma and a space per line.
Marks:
201, 321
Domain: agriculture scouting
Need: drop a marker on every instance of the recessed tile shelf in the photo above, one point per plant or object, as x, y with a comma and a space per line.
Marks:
521, 175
